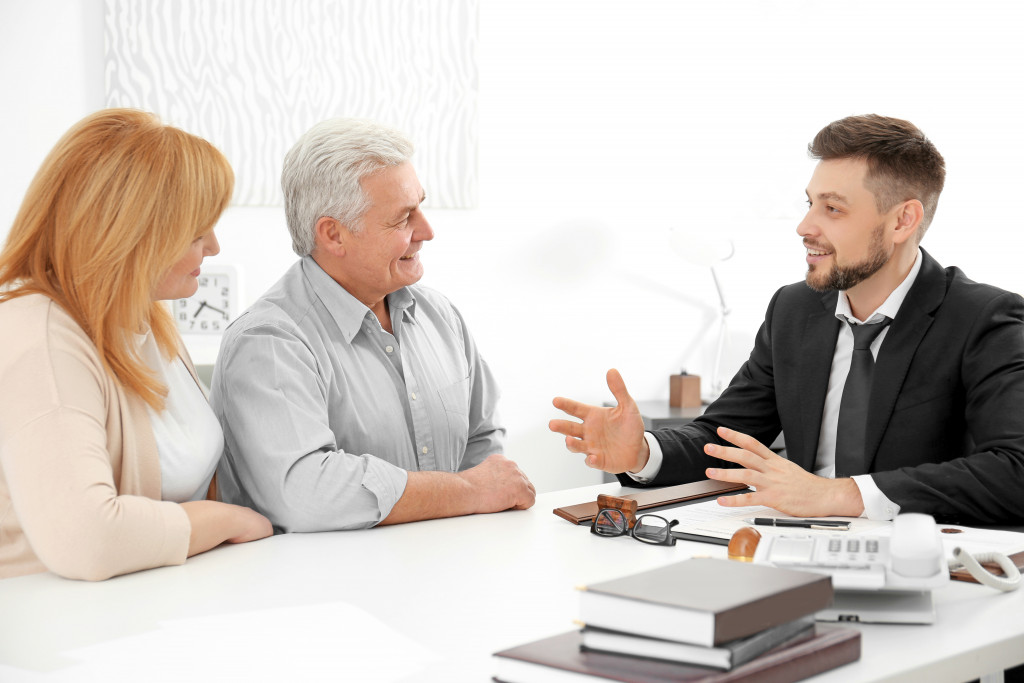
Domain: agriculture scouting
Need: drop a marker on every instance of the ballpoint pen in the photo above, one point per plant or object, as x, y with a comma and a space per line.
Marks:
826, 524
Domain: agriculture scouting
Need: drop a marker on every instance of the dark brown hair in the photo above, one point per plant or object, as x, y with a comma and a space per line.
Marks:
902, 163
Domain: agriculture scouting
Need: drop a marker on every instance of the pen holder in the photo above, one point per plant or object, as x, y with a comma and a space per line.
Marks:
684, 391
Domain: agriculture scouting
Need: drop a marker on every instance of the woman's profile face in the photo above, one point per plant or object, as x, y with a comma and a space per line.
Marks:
180, 280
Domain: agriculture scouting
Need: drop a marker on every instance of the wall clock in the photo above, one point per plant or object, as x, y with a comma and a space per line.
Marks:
213, 306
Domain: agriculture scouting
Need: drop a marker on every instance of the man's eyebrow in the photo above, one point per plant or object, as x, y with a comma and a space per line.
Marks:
406, 210
834, 196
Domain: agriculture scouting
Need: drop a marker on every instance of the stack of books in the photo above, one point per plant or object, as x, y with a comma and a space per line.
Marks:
696, 620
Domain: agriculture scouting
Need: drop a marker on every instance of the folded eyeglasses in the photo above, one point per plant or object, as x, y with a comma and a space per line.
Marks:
651, 529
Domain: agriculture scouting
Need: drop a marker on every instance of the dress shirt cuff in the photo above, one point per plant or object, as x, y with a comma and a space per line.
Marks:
876, 505
653, 466
386, 482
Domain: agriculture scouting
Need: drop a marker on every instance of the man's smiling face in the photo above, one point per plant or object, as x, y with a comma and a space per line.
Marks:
843, 231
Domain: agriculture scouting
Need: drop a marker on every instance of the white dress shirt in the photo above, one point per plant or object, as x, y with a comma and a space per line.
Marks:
876, 505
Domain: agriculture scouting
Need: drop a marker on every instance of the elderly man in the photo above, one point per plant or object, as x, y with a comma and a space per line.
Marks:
897, 382
349, 395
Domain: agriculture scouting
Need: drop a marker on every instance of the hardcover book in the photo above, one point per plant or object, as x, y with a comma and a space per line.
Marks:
559, 659
704, 601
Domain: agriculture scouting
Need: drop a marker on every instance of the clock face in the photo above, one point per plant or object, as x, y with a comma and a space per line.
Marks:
212, 307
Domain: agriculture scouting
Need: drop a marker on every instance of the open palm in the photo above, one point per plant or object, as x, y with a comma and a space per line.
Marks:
611, 438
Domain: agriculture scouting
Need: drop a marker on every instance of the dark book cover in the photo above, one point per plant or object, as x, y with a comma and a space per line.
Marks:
557, 657
704, 601
584, 513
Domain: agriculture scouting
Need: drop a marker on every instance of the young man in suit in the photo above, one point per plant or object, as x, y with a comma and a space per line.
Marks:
934, 417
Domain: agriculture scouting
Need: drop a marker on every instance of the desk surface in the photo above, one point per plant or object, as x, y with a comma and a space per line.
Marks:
425, 601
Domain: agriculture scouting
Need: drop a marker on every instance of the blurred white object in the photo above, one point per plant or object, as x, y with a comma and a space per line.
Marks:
707, 251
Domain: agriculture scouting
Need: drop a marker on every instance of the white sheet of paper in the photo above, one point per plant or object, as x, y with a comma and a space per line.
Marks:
711, 519
327, 641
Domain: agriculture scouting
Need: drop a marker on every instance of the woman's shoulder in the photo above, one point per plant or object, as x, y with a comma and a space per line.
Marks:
34, 322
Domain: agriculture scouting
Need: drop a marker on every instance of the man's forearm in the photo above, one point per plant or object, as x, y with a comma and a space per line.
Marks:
431, 495
495, 484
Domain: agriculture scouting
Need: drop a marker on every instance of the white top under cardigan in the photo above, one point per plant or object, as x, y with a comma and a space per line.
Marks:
188, 436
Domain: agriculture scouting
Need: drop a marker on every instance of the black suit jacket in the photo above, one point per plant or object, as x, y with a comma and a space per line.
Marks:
945, 432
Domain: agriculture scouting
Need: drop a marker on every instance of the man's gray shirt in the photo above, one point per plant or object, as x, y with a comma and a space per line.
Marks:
324, 412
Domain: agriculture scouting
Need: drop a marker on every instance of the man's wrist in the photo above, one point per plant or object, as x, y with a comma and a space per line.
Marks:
643, 457
849, 502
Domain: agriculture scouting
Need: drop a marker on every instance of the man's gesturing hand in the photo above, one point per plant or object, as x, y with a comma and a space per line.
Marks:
611, 438
780, 484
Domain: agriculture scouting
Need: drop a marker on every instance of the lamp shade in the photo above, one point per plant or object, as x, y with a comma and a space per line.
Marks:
701, 249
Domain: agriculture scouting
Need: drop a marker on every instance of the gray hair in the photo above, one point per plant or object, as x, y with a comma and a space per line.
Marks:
323, 171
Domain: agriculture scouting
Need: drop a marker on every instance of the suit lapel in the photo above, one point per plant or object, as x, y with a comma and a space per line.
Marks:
912, 322
818, 346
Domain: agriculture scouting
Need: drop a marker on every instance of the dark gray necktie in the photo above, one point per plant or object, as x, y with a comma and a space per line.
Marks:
853, 409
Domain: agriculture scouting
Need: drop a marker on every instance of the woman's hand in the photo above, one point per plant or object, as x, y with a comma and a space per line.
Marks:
214, 523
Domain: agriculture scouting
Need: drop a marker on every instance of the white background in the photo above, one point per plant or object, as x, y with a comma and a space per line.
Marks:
603, 125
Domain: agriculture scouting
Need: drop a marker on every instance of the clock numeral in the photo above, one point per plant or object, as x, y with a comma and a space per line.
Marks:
211, 309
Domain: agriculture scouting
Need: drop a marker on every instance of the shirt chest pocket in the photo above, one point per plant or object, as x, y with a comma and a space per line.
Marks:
455, 399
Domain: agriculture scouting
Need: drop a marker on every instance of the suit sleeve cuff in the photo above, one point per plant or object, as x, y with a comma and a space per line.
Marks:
876, 505
653, 466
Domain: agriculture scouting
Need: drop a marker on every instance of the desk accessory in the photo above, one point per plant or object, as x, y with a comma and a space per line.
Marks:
824, 524
584, 513
725, 656
703, 251
880, 579
704, 601
962, 574
684, 390
743, 544
650, 529
626, 505
560, 658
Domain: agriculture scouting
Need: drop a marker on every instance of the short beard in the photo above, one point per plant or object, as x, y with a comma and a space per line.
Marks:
842, 278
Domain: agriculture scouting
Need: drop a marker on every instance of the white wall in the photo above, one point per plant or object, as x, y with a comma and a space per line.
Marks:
604, 124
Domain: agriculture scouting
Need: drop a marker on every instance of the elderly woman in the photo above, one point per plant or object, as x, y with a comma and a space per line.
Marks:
107, 443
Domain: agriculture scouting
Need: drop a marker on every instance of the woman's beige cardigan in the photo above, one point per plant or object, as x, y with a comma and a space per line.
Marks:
79, 468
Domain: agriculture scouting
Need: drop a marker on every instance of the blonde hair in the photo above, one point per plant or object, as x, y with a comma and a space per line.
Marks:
116, 203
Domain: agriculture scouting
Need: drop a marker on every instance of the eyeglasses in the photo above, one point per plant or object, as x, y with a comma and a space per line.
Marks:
650, 529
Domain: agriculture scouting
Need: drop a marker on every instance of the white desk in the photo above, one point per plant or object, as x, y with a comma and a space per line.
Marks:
442, 595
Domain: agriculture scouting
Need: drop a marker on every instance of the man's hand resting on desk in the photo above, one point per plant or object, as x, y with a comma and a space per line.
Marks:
494, 485
498, 484
780, 484
612, 438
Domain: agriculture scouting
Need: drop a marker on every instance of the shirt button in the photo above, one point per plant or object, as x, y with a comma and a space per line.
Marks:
414, 395
389, 349
425, 449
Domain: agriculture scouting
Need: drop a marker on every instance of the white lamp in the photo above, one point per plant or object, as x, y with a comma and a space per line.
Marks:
706, 252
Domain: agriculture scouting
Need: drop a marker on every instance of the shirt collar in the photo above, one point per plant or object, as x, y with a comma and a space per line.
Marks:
348, 312
891, 306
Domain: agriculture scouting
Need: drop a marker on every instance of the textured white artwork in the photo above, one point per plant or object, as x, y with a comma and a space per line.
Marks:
252, 75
